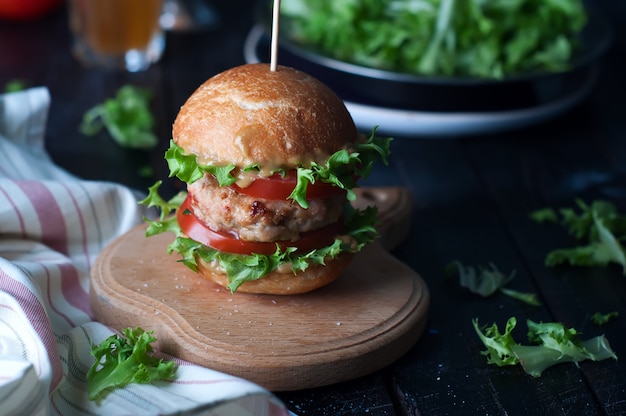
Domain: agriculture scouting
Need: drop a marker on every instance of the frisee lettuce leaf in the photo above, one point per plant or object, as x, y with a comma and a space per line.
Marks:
185, 167
126, 117
599, 318
475, 38
340, 169
485, 281
600, 228
166, 221
498, 344
15, 85
241, 268
526, 297
122, 360
554, 344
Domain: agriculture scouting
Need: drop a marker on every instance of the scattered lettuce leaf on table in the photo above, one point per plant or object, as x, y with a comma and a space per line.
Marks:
485, 281
15, 85
599, 318
122, 360
475, 38
598, 226
126, 117
554, 343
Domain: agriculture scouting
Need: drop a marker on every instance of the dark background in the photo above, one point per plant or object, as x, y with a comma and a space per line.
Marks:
471, 197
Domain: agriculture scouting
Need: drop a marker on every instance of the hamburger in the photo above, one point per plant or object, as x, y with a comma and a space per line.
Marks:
270, 159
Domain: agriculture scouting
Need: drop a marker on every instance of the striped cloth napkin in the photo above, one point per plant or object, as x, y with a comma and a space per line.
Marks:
52, 227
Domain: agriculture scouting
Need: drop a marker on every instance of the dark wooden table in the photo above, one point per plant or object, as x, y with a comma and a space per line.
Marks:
471, 195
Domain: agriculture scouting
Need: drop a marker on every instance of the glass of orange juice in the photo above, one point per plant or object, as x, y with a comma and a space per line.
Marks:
117, 34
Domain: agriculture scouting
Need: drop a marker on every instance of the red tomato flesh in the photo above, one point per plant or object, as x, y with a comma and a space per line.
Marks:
276, 187
230, 242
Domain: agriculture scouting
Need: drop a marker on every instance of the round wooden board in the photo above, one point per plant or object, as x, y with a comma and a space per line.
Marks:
358, 324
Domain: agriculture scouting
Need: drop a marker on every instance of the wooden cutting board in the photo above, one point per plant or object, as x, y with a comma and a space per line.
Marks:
363, 321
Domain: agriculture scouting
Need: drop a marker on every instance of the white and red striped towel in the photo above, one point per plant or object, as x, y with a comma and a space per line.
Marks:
52, 227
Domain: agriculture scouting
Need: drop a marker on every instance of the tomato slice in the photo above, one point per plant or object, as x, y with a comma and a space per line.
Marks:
277, 187
230, 242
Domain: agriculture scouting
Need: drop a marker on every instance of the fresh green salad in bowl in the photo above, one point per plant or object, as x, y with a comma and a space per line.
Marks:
487, 39
444, 56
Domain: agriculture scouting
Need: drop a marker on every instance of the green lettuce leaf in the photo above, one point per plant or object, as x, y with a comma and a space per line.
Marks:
186, 168
544, 215
485, 281
126, 117
554, 343
498, 344
340, 169
526, 297
599, 318
166, 221
15, 85
476, 38
600, 228
122, 360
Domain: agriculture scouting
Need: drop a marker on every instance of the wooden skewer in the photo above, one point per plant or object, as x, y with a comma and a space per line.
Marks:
275, 26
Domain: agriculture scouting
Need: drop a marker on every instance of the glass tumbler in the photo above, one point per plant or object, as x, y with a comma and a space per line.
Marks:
117, 34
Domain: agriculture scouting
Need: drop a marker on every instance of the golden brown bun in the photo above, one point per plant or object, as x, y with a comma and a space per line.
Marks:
252, 115
276, 283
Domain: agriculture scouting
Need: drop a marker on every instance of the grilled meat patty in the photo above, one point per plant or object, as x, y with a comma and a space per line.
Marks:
257, 219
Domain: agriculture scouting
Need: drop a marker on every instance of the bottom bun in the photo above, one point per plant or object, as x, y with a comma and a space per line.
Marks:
281, 283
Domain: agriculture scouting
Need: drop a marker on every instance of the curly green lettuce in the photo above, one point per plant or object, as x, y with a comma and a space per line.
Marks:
599, 318
475, 38
15, 85
122, 360
598, 227
485, 281
554, 343
126, 117
340, 169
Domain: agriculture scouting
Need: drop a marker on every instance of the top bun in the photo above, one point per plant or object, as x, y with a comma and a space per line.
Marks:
251, 115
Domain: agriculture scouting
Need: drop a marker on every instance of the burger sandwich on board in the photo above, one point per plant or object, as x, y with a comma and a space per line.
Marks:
270, 158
